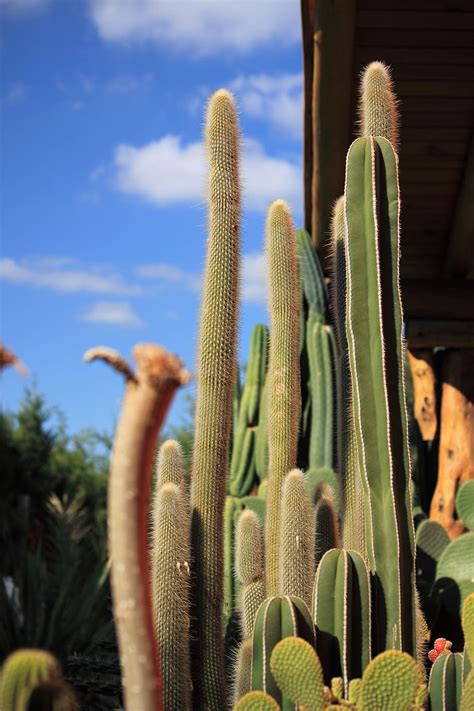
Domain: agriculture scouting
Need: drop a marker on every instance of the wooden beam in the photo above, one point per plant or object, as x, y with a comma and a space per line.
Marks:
460, 250
307, 20
433, 334
334, 25
442, 300
424, 391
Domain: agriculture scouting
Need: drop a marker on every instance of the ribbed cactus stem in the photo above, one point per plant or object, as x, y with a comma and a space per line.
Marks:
284, 386
170, 589
326, 533
21, 672
249, 567
352, 503
297, 538
215, 380
378, 104
169, 465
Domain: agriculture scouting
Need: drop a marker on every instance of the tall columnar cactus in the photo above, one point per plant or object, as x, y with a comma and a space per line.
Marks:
319, 339
284, 384
215, 379
447, 677
242, 465
297, 538
352, 505
277, 618
342, 615
378, 104
170, 588
376, 358
249, 568
326, 528
21, 672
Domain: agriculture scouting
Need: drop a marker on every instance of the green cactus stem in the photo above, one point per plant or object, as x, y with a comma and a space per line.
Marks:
319, 338
261, 440
376, 358
455, 572
326, 528
297, 671
170, 558
242, 465
277, 618
390, 682
297, 538
342, 615
284, 383
148, 395
215, 380
21, 672
447, 677
378, 104
467, 698
468, 623
465, 504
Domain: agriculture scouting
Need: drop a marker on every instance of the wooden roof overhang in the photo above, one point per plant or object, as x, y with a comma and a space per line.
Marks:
429, 45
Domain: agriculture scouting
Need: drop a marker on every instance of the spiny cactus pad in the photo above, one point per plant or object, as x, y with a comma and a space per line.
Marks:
468, 623
257, 701
390, 682
297, 671
465, 504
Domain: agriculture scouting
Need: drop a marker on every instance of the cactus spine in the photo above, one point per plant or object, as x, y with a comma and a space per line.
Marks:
391, 681
250, 568
378, 104
169, 465
243, 670
284, 385
376, 357
297, 538
170, 590
215, 379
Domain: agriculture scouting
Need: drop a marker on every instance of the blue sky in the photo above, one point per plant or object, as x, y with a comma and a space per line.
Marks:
103, 212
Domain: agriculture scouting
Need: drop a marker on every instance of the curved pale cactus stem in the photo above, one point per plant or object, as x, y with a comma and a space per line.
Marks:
148, 395
297, 538
376, 358
391, 682
297, 671
215, 382
7, 357
284, 403
378, 105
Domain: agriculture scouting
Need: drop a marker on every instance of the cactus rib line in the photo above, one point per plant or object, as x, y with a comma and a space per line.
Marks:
345, 673
353, 366
384, 377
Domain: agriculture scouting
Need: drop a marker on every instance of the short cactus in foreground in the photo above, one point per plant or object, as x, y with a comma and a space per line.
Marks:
283, 372
391, 682
297, 671
257, 701
21, 672
215, 381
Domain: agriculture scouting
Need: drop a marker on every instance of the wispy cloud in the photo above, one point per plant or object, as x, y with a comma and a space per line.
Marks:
127, 83
276, 99
254, 278
65, 276
201, 26
22, 6
114, 313
171, 274
17, 92
169, 172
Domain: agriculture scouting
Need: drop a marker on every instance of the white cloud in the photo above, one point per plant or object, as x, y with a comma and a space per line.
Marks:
65, 277
276, 99
199, 26
22, 6
170, 274
16, 93
254, 277
168, 172
115, 313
